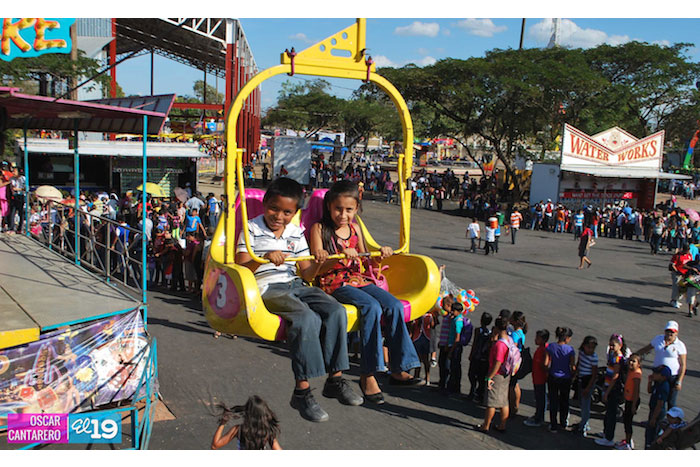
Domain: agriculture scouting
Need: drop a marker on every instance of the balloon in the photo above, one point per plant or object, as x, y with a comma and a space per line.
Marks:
471, 292
475, 301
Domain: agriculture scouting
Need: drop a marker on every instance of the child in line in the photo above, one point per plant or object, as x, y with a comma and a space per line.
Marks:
517, 321
613, 388
454, 348
423, 328
634, 377
307, 310
260, 427
659, 386
540, 375
587, 370
560, 358
345, 281
445, 326
479, 359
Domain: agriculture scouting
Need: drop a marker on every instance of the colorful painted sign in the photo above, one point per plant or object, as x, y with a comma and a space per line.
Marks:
31, 37
613, 147
74, 369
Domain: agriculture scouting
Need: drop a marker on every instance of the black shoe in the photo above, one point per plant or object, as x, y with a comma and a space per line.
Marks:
377, 398
405, 382
308, 407
340, 389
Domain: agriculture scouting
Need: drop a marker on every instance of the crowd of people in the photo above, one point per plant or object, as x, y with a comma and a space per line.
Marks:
177, 232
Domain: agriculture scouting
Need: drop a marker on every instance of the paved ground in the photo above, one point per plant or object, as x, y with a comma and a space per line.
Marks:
626, 290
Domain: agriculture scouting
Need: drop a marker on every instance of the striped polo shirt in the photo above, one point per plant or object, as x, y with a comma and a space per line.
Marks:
263, 240
586, 363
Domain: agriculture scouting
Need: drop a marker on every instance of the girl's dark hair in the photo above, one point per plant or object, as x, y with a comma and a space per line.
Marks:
260, 426
501, 324
286, 188
486, 318
518, 320
562, 333
504, 314
338, 189
457, 307
543, 334
588, 340
621, 340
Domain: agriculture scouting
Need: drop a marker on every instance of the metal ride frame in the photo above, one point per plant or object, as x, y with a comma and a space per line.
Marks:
322, 59
146, 392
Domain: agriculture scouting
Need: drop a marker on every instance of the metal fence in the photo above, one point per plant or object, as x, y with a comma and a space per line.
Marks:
105, 247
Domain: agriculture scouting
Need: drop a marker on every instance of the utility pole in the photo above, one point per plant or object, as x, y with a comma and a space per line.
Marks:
522, 33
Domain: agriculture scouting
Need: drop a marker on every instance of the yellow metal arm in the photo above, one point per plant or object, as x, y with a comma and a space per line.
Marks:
317, 60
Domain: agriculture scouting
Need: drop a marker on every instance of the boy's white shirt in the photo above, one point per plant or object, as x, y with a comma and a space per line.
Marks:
263, 240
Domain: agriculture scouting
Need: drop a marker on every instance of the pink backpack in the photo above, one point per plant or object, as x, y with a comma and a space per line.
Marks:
513, 359
375, 275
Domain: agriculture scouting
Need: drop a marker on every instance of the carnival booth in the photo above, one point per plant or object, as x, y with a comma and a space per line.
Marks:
611, 166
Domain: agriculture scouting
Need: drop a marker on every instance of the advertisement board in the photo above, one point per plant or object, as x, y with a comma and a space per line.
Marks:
31, 37
613, 147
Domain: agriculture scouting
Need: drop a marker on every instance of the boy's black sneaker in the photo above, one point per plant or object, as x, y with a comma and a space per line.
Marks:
308, 407
339, 388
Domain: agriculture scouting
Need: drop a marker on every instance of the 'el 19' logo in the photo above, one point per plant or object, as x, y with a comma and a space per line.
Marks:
95, 428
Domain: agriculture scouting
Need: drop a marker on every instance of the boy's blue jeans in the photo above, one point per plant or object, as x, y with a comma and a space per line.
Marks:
373, 303
316, 328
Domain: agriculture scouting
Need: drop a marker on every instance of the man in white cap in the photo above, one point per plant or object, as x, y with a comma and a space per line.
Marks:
669, 351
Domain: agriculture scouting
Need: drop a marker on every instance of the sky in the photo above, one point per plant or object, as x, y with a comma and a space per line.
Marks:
399, 41
398, 31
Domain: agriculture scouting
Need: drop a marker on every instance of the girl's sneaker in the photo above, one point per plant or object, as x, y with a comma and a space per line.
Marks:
624, 446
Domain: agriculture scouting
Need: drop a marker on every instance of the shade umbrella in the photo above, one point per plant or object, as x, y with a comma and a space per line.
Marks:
48, 192
153, 189
180, 194
693, 214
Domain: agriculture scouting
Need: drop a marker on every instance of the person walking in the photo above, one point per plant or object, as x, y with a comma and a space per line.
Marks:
515, 219
474, 234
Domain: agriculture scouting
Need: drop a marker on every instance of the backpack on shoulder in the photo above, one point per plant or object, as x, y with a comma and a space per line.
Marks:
466, 335
513, 359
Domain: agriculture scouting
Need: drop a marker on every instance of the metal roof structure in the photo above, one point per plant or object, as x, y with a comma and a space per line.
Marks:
160, 104
197, 42
18, 110
112, 148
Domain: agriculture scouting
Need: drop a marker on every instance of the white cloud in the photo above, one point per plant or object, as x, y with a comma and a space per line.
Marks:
572, 35
382, 61
418, 29
663, 43
426, 61
480, 27
423, 51
302, 37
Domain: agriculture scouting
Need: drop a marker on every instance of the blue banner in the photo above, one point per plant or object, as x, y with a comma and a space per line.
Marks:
31, 37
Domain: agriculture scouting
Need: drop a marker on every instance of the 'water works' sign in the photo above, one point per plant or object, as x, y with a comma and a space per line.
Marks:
31, 37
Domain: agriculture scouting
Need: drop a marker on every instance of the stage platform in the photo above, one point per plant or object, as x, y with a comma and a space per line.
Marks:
41, 290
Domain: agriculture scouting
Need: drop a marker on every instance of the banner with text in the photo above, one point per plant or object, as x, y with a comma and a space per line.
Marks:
613, 147
31, 37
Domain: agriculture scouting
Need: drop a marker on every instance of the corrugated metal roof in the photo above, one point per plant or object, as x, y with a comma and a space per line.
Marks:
112, 148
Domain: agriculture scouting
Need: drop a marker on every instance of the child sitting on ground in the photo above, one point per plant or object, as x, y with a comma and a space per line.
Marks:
670, 436
307, 310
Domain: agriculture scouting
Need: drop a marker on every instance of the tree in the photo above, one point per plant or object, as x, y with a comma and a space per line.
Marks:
213, 96
647, 83
54, 69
